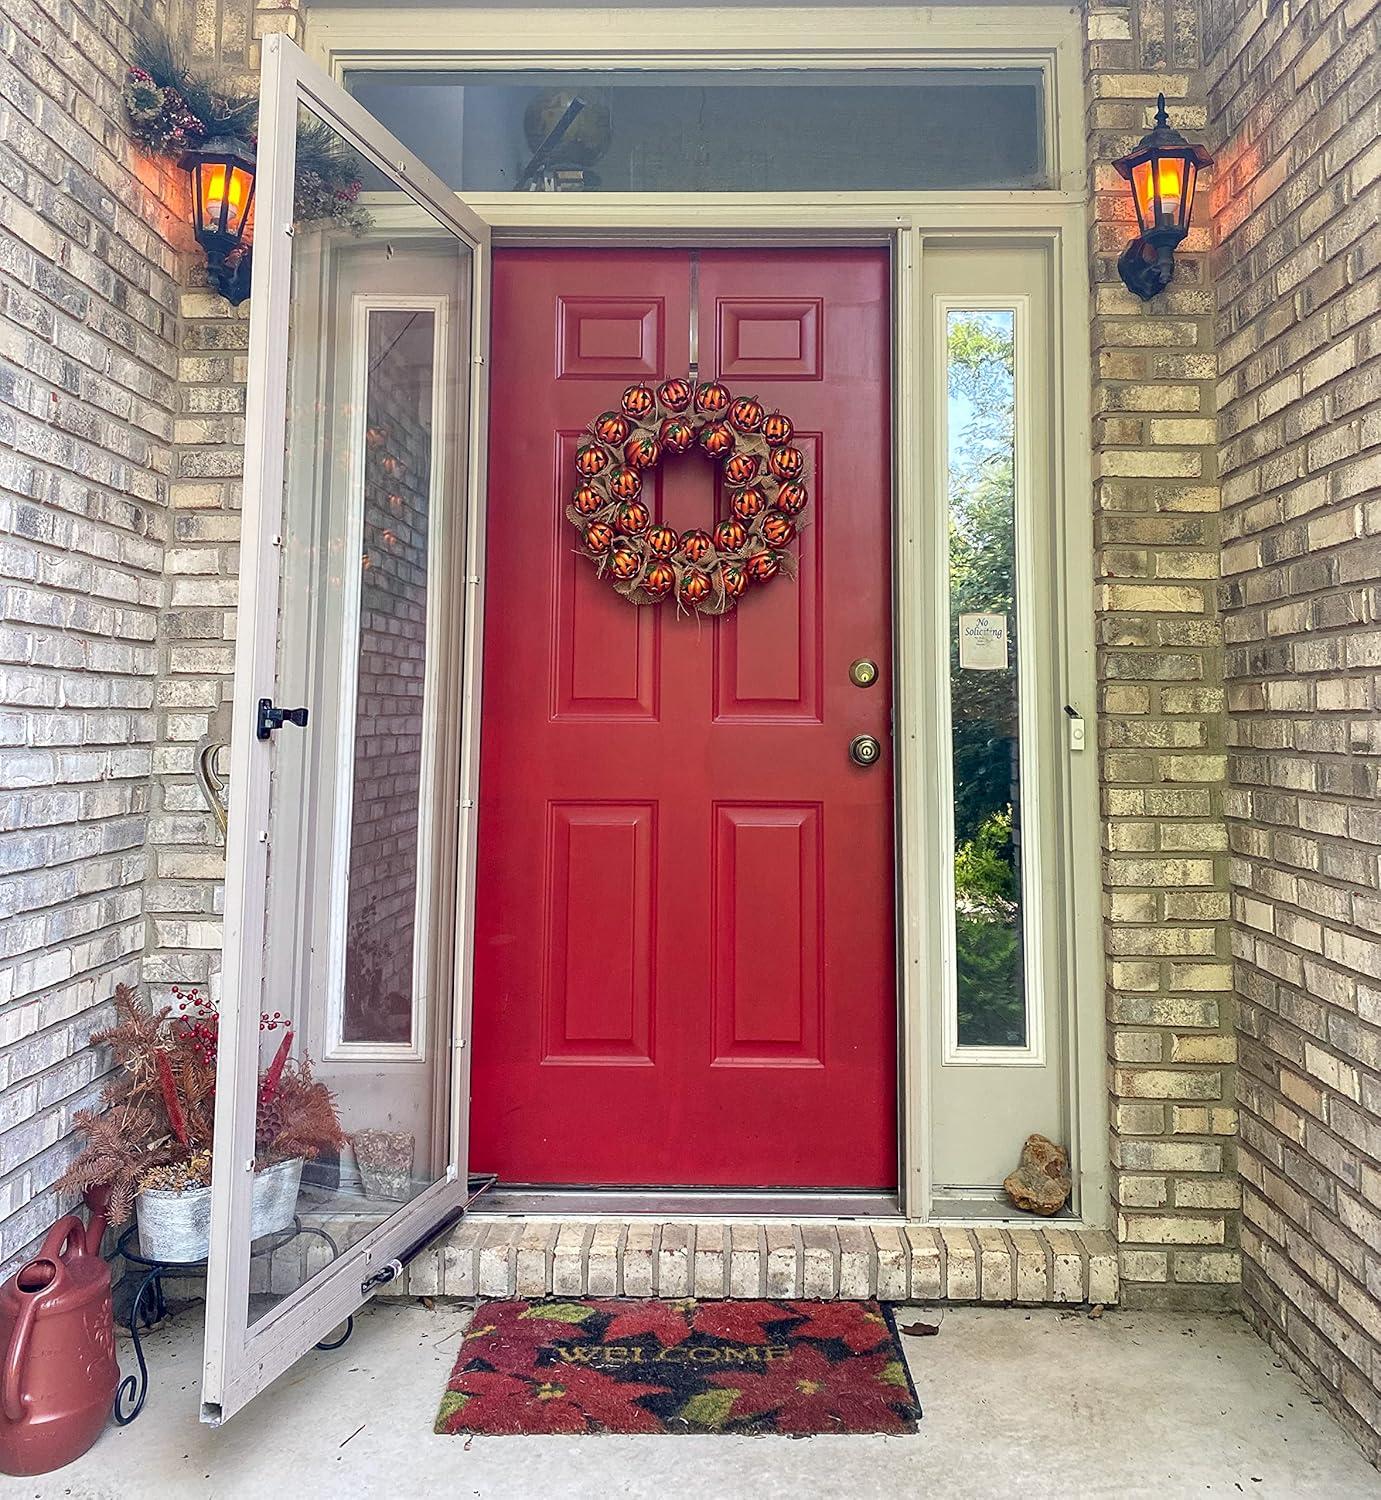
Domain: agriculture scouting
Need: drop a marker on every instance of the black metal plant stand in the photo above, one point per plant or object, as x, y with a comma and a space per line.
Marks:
150, 1306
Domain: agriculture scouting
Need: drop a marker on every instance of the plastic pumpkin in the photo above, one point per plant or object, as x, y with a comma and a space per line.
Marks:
762, 566
591, 459
659, 579
638, 401
662, 541
587, 500
749, 503
611, 428
695, 586
675, 395
642, 451
741, 468
625, 483
786, 463
599, 536
677, 435
746, 414
791, 498
777, 529
624, 562
777, 429
711, 397
632, 517
729, 536
695, 544
717, 439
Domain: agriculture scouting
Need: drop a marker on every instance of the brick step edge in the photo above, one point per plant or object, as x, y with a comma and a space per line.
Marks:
642, 1258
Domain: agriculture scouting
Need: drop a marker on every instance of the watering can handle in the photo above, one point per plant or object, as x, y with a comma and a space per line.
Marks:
69, 1235
67, 1232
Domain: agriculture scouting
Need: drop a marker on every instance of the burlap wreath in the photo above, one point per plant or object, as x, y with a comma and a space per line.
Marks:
704, 571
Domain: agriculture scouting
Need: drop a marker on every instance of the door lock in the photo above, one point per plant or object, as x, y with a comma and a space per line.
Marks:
863, 673
272, 717
864, 750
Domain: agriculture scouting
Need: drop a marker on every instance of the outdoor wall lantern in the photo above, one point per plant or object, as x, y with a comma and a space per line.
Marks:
1163, 171
222, 173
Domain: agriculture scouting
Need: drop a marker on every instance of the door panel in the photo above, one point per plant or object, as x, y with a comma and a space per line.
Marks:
340, 1083
684, 966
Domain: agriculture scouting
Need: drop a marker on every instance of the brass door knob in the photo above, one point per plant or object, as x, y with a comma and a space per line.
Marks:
864, 750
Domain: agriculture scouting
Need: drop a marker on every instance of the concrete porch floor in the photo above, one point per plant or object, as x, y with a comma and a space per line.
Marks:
1017, 1402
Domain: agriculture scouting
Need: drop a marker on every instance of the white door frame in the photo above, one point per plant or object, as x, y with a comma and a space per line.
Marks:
240, 1358
538, 38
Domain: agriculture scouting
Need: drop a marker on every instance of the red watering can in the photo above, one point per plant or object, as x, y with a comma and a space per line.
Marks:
57, 1338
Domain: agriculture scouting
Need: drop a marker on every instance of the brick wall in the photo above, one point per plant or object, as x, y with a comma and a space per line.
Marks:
196, 638
1171, 1047
89, 270
1294, 103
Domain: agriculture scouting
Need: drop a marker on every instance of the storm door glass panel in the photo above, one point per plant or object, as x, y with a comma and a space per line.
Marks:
386, 643
992, 1010
715, 130
352, 1106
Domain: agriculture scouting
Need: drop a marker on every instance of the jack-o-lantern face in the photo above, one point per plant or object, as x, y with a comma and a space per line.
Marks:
611, 428
762, 566
591, 459
624, 561
599, 535
677, 435
786, 463
662, 541
587, 500
638, 401
729, 536
625, 484
777, 429
659, 579
675, 395
741, 468
717, 439
777, 529
791, 499
631, 517
695, 586
749, 503
711, 397
641, 451
734, 579
695, 544
746, 414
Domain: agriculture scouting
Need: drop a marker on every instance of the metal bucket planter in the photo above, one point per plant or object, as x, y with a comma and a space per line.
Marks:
176, 1227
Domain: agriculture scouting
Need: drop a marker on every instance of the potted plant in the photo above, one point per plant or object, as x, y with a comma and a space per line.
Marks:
151, 1140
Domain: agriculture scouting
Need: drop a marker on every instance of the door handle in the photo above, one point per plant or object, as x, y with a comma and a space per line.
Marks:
272, 717
864, 750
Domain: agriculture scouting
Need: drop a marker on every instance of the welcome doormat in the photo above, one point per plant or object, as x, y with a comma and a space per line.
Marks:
593, 1365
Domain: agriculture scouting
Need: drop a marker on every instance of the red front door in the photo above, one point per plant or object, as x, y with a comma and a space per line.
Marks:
684, 950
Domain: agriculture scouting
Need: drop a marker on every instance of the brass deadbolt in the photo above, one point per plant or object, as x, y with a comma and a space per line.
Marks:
863, 673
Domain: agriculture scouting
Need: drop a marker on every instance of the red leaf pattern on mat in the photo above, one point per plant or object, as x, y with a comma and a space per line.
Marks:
809, 1393
744, 1322
667, 1322
858, 1325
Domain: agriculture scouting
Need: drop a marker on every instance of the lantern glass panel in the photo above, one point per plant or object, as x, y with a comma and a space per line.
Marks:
225, 192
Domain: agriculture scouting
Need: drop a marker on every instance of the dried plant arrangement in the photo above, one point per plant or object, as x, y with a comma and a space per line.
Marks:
157, 1114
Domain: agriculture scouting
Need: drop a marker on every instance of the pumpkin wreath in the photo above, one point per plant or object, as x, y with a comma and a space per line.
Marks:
703, 571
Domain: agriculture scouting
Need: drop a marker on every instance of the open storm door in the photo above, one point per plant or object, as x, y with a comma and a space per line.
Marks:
353, 760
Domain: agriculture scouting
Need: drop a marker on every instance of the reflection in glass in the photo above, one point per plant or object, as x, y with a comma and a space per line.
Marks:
983, 678
379, 311
719, 131
391, 651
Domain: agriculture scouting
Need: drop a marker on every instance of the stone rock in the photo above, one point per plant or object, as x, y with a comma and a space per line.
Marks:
1041, 1182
